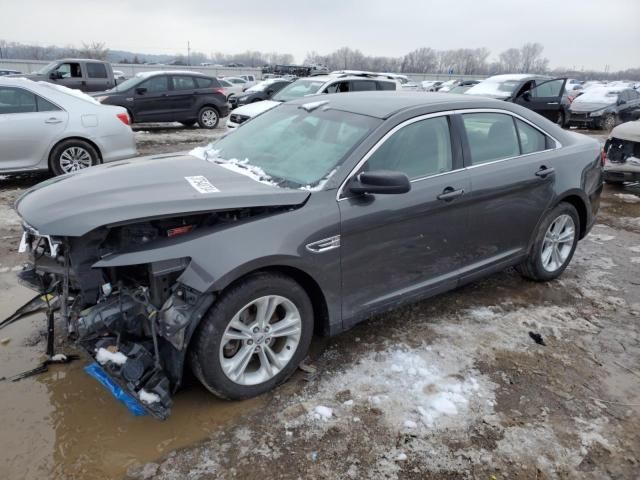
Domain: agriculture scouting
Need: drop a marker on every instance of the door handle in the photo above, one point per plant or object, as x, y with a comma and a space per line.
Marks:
553, 103
53, 120
449, 194
544, 172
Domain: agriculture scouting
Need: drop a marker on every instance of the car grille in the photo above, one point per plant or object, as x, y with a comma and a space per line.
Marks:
235, 118
580, 116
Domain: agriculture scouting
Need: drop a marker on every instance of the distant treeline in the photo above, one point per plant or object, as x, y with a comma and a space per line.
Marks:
461, 61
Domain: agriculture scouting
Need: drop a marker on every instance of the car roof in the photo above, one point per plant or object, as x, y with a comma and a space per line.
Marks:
515, 76
382, 105
169, 72
340, 76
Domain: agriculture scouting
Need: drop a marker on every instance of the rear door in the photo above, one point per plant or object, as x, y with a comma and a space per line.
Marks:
545, 98
397, 247
363, 85
97, 77
629, 109
510, 163
151, 100
29, 125
183, 97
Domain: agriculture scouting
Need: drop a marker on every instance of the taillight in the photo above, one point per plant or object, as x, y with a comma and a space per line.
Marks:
603, 157
570, 98
218, 90
174, 232
124, 118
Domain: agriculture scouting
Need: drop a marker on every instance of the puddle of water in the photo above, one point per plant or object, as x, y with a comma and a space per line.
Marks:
63, 424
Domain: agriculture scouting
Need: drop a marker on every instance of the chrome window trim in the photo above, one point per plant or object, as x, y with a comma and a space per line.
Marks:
373, 149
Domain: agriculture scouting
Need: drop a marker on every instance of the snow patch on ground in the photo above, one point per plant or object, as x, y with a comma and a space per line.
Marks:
148, 397
628, 197
104, 356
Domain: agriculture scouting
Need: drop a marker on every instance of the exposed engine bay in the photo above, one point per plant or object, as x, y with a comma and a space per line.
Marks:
135, 320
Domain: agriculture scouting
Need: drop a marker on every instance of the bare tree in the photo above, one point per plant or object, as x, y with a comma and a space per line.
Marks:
531, 57
511, 60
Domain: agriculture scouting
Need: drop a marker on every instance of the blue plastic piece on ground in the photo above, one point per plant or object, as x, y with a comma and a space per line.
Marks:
131, 403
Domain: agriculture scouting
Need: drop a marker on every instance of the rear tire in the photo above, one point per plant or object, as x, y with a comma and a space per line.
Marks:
71, 156
554, 244
608, 122
208, 117
235, 354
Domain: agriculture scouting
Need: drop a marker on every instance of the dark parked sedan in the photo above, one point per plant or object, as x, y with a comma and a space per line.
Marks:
602, 107
310, 218
185, 97
543, 95
261, 91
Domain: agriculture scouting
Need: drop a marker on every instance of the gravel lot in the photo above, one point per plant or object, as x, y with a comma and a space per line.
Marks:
452, 387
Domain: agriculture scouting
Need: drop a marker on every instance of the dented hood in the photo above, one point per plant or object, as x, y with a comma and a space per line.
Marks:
74, 204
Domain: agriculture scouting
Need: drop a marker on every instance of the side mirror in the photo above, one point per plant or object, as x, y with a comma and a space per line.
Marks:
270, 92
621, 102
380, 181
56, 75
141, 90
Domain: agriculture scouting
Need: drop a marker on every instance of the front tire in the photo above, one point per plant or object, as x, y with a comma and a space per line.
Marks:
554, 245
254, 336
72, 156
208, 118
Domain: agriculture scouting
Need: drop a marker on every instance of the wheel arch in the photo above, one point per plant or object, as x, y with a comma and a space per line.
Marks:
73, 137
307, 282
580, 204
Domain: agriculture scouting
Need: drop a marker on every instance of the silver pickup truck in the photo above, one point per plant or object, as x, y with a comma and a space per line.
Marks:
82, 74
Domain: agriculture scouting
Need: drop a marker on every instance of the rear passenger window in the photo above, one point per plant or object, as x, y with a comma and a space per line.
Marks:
531, 139
45, 105
183, 83
204, 82
96, 70
386, 86
362, 85
491, 136
16, 100
420, 149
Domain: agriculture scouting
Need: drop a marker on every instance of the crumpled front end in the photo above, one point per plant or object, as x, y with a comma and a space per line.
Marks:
135, 320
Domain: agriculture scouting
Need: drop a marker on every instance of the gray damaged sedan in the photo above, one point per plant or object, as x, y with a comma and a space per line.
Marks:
307, 219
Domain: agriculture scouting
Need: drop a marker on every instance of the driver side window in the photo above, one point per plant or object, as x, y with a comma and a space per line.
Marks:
156, 84
338, 87
418, 150
551, 88
69, 70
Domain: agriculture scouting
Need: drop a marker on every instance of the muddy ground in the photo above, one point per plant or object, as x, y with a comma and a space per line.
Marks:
453, 387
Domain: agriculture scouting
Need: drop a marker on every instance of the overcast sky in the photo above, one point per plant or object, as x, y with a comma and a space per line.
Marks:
575, 33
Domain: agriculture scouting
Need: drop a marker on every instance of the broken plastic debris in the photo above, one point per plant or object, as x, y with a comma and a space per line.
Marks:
105, 356
148, 397
401, 457
323, 412
4, 341
536, 337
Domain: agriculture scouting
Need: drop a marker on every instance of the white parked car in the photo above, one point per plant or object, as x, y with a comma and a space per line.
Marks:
334, 83
250, 79
431, 85
405, 82
44, 126
232, 87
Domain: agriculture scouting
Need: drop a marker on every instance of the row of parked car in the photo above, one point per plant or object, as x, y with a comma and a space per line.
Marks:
194, 98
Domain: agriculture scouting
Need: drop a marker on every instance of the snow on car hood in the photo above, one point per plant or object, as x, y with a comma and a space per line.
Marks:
629, 131
129, 190
256, 108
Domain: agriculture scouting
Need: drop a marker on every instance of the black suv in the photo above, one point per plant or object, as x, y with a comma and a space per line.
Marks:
185, 97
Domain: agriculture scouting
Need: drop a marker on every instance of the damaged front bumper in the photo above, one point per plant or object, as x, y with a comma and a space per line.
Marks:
135, 321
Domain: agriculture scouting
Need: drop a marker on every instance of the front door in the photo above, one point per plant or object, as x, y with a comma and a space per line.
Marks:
398, 247
511, 167
151, 100
545, 98
70, 75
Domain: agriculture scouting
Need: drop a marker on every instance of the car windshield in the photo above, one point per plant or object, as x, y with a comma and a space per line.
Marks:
298, 89
259, 87
494, 88
46, 69
291, 146
127, 84
598, 95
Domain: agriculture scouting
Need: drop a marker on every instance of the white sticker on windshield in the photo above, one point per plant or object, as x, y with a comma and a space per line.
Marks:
201, 184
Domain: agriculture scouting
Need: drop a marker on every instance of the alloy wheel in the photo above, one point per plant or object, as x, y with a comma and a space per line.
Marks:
209, 118
558, 242
73, 159
260, 340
